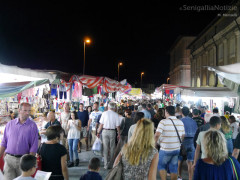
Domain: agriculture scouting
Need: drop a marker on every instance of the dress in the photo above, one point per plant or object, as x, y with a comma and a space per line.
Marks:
139, 172
204, 171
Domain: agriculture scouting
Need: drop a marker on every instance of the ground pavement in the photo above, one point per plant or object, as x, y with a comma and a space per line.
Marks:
76, 172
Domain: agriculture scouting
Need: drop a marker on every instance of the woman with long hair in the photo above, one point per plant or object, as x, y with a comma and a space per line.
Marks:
227, 131
89, 109
157, 118
74, 134
217, 165
139, 156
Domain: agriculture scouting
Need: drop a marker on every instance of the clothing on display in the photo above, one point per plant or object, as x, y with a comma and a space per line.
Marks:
54, 90
77, 92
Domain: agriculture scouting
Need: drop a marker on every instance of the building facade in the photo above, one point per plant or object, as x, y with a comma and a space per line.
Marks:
217, 45
180, 65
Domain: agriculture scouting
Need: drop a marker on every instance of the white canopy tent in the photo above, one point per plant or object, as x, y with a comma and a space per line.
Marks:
10, 74
231, 72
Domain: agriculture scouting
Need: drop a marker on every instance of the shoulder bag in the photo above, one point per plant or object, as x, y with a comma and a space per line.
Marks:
116, 173
183, 151
235, 174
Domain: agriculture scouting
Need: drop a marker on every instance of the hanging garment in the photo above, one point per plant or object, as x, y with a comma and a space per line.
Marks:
77, 93
54, 90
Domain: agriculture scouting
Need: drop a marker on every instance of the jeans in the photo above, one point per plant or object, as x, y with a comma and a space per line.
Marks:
189, 148
170, 159
73, 144
229, 146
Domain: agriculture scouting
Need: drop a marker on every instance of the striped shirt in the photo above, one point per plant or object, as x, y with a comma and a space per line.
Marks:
169, 140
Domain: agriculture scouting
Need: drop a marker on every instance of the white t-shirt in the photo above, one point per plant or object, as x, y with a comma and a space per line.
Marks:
200, 143
235, 127
43, 136
110, 120
169, 140
95, 117
73, 132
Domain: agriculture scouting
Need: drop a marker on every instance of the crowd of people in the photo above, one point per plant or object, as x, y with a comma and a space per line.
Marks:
146, 137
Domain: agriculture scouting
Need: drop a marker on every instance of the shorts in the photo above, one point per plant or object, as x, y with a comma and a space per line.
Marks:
189, 148
168, 159
84, 132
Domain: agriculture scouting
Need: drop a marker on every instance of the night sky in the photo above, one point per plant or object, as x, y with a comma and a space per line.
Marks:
49, 35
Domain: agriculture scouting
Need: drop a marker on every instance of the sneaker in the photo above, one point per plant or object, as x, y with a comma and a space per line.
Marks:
179, 178
70, 164
76, 162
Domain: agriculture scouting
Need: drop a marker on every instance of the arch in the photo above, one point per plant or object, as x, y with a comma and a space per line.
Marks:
198, 82
211, 80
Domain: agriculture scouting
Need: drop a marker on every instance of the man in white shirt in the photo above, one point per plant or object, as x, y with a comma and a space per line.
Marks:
215, 123
169, 142
93, 122
109, 122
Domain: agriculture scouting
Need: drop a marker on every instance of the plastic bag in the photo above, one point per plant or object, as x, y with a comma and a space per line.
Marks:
97, 145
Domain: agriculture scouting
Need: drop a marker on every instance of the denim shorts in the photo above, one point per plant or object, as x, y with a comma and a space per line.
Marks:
168, 159
189, 148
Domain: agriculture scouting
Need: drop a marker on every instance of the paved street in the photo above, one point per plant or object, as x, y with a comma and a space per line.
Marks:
76, 172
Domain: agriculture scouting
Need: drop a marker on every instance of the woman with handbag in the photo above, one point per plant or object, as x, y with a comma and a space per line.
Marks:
217, 165
139, 156
54, 155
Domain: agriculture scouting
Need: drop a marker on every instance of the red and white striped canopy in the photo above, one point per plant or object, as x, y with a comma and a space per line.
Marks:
109, 85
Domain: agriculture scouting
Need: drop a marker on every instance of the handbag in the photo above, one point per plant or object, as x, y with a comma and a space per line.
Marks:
97, 145
116, 173
183, 151
235, 175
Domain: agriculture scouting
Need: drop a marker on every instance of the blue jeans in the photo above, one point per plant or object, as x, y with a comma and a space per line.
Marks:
170, 159
229, 146
73, 144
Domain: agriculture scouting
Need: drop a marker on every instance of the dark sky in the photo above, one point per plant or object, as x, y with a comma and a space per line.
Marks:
49, 35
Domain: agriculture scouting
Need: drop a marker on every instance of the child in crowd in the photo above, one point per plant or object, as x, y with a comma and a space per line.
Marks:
94, 167
28, 166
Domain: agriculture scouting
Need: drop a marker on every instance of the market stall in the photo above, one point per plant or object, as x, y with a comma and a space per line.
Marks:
229, 76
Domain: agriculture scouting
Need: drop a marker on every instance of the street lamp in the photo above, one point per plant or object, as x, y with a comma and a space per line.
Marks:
88, 41
119, 64
168, 80
142, 73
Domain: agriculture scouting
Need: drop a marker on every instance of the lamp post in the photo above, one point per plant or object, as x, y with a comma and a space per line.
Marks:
168, 80
142, 73
84, 44
119, 64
